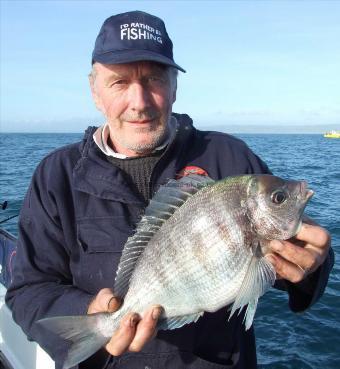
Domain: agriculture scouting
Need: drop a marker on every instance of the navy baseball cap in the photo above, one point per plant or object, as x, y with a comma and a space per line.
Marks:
133, 36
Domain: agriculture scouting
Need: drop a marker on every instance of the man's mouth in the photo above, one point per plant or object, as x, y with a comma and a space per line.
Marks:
144, 121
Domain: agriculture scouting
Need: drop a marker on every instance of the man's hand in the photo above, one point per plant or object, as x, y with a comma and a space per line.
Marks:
296, 258
134, 332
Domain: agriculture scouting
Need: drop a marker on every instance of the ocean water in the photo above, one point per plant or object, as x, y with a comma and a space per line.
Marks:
309, 340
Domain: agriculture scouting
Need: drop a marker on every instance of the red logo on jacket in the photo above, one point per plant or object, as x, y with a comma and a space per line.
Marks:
191, 169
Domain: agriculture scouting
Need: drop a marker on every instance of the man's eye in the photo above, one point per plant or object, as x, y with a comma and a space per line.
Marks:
119, 82
155, 79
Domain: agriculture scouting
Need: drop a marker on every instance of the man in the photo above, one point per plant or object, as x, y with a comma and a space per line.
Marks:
85, 200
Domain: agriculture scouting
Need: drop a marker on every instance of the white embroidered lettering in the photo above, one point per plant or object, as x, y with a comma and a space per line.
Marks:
139, 31
123, 32
142, 34
133, 34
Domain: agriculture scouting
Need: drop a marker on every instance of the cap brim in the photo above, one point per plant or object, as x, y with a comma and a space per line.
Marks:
130, 56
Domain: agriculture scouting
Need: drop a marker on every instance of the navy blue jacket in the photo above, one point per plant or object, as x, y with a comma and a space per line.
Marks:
76, 217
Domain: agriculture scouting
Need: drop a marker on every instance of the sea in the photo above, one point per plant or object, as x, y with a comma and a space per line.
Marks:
285, 340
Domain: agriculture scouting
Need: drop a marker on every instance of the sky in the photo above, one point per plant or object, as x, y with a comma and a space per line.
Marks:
251, 65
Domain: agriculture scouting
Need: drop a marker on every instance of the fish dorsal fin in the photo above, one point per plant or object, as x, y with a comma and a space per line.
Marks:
178, 321
174, 194
165, 202
259, 278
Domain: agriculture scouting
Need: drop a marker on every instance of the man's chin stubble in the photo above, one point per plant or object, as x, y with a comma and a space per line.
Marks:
145, 147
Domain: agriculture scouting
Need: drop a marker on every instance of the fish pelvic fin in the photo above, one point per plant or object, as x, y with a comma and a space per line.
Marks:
162, 206
259, 278
82, 331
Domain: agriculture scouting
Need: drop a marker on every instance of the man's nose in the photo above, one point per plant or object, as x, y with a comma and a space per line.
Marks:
139, 96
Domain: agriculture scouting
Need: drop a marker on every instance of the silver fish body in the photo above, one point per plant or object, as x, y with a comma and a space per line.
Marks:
200, 246
187, 266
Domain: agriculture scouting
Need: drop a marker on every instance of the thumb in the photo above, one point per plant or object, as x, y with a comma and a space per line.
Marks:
104, 302
113, 304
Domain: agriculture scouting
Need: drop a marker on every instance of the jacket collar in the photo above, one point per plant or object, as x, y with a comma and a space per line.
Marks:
95, 175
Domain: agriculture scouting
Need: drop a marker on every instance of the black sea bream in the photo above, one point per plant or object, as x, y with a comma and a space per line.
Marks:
201, 245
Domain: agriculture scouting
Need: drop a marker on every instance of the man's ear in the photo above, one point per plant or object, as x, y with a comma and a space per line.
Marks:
95, 97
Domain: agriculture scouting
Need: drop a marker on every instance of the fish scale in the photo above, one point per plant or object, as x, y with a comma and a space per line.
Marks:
214, 280
200, 246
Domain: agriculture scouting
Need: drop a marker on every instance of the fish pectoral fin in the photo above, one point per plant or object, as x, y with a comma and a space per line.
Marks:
178, 321
250, 313
259, 278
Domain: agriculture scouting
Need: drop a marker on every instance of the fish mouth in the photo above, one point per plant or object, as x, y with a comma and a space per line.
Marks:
309, 194
305, 192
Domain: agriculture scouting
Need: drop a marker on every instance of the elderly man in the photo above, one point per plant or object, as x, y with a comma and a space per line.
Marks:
85, 200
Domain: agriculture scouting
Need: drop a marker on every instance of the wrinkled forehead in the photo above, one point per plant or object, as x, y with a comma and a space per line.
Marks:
130, 69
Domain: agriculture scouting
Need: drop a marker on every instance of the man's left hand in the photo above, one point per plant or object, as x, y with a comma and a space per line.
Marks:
300, 256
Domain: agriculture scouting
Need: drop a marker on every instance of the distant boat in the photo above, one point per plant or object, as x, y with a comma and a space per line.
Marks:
332, 134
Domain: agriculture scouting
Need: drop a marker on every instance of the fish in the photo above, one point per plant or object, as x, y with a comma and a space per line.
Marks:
201, 245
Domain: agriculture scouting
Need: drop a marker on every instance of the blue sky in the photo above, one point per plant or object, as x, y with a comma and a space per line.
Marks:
249, 63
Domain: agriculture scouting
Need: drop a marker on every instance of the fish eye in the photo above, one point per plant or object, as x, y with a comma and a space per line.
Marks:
278, 197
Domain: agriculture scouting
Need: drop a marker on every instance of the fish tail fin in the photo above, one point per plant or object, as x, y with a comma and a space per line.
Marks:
82, 331
259, 278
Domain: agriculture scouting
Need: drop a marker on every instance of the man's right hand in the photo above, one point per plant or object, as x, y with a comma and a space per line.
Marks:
134, 331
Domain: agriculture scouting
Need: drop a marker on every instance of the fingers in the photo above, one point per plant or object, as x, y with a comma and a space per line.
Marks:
134, 332
123, 337
302, 258
294, 259
314, 235
146, 329
104, 301
286, 270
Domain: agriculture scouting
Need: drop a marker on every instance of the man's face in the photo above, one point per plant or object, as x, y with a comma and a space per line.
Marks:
136, 99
